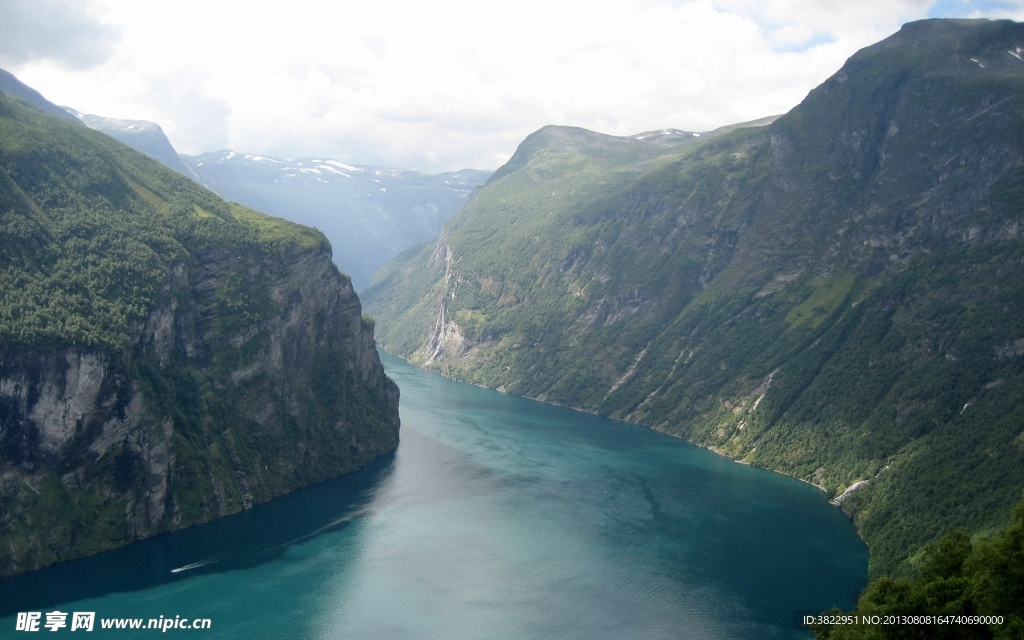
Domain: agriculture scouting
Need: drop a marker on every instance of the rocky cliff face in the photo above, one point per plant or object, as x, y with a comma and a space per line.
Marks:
88, 433
62, 411
165, 357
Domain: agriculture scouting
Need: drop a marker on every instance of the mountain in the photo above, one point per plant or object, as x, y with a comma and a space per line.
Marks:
368, 213
14, 87
143, 136
981, 579
837, 295
166, 357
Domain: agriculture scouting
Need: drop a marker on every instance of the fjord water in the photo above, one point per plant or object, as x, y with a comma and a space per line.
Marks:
497, 517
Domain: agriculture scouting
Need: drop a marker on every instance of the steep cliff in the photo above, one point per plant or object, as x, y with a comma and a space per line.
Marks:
165, 357
837, 295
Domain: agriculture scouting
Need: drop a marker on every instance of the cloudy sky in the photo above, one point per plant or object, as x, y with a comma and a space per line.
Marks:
438, 86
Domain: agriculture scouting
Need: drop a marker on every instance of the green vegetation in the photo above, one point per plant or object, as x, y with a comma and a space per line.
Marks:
958, 577
176, 301
838, 296
276, 232
86, 521
90, 232
823, 302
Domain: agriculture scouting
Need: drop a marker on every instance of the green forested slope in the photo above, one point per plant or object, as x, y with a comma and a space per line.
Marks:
166, 357
976, 589
838, 295
90, 231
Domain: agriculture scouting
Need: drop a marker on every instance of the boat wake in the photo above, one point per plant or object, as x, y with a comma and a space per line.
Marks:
194, 565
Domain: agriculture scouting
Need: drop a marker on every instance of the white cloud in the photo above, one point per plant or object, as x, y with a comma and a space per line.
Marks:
446, 85
64, 32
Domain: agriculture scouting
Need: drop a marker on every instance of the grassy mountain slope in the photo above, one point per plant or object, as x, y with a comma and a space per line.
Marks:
166, 357
141, 135
92, 231
838, 295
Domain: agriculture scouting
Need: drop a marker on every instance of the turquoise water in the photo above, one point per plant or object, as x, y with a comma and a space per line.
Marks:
497, 517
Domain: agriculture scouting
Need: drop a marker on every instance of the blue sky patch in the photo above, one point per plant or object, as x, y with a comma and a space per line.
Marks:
967, 8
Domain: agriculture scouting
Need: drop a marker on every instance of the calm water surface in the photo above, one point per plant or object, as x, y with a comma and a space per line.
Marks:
497, 517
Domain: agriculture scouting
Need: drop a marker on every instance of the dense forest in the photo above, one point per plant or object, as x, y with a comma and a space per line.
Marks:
90, 233
974, 588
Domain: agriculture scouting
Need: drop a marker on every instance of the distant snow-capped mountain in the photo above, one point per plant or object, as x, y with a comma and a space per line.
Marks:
369, 214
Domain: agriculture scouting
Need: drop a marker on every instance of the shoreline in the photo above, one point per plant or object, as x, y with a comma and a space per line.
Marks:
831, 500
783, 473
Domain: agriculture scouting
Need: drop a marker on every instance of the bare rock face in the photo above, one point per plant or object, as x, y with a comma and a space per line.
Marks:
252, 377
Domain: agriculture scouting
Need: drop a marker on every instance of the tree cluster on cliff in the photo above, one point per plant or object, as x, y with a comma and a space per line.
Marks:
958, 577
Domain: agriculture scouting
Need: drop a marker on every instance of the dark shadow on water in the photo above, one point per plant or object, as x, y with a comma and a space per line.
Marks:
238, 541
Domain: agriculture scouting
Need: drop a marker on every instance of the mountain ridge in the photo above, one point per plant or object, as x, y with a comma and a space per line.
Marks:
142, 135
792, 295
11, 85
369, 213
365, 225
